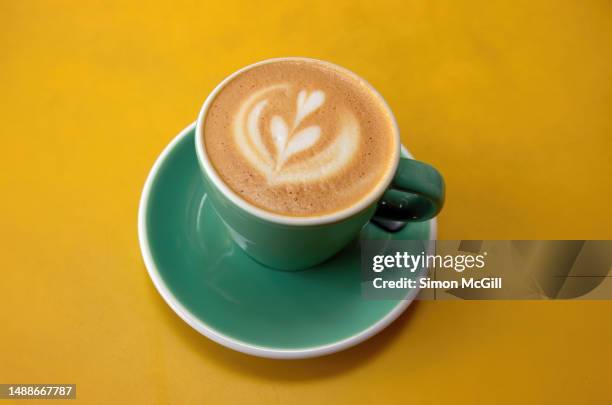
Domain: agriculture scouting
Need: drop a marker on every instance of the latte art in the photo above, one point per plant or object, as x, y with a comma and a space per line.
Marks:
299, 137
290, 140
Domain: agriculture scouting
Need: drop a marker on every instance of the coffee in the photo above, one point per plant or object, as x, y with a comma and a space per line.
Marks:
298, 137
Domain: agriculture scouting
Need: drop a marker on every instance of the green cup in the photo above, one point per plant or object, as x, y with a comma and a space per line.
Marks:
414, 191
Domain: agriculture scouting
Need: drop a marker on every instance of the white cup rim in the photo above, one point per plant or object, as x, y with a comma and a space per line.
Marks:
373, 196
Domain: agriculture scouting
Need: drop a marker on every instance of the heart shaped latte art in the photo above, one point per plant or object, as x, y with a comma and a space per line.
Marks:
291, 139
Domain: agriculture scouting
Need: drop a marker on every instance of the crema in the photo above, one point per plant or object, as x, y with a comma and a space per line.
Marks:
300, 137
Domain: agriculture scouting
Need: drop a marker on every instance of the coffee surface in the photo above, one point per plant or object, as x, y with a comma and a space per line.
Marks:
299, 138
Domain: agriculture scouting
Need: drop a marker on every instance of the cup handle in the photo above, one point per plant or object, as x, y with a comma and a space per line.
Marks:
416, 193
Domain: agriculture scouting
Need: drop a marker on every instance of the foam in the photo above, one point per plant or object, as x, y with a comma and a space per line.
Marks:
299, 138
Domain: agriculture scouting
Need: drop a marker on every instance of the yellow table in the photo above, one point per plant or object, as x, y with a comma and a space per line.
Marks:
511, 100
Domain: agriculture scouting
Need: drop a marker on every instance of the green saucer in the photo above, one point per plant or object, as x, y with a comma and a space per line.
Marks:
224, 294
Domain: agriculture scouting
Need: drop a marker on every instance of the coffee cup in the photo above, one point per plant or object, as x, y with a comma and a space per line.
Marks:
299, 154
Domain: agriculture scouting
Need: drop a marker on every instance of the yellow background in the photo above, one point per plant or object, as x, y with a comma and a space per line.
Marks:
511, 100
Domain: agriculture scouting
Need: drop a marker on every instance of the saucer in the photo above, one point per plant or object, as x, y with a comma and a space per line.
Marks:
225, 295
